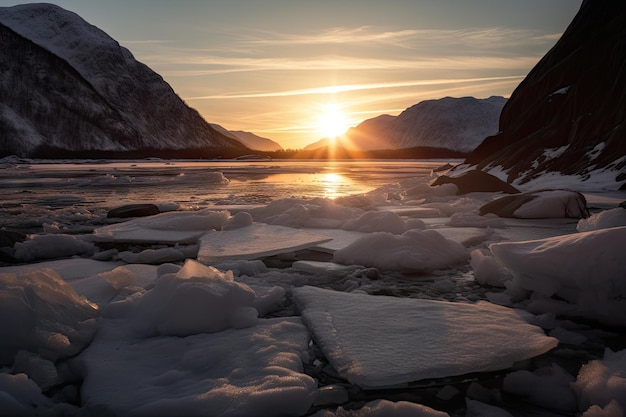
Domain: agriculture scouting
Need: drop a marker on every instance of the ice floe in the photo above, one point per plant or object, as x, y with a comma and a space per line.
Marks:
380, 341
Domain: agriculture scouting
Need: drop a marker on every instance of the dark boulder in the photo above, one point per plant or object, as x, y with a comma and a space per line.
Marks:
476, 181
539, 205
134, 210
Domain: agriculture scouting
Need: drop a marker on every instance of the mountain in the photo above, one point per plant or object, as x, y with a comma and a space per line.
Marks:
250, 140
67, 88
569, 114
458, 124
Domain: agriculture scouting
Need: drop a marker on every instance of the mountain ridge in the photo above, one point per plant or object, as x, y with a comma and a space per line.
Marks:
458, 124
68, 85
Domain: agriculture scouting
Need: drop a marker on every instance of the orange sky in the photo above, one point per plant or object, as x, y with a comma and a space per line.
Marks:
281, 68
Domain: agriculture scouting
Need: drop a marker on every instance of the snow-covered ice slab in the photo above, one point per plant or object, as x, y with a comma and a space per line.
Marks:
245, 372
380, 341
412, 211
585, 270
170, 228
339, 239
255, 241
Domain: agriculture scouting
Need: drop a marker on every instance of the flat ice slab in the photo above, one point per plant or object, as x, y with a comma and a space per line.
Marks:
379, 341
255, 241
245, 372
170, 228
339, 239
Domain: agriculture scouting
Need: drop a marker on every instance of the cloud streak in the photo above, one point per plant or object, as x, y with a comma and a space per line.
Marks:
335, 89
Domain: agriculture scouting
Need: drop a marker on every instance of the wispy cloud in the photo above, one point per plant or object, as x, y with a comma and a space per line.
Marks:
362, 34
334, 89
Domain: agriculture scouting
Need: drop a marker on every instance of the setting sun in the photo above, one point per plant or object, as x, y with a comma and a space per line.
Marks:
332, 122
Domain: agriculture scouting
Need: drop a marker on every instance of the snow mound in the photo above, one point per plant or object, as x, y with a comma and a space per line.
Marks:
608, 218
196, 299
414, 250
377, 221
585, 270
602, 383
244, 372
381, 341
41, 313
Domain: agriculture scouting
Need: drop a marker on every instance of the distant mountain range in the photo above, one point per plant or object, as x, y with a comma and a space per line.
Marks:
249, 139
569, 114
458, 124
67, 88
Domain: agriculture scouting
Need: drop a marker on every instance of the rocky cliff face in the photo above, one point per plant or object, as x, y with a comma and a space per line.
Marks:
66, 86
569, 114
458, 124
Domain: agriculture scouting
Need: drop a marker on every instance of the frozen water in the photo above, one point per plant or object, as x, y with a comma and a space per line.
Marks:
41, 313
608, 218
246, 372
255, 241
585, 270
602, 383
380, 341
384, 408
415, 250
136, 366
51, 246
171, 227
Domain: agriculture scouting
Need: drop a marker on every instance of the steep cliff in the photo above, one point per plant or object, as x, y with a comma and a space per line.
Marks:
569, 114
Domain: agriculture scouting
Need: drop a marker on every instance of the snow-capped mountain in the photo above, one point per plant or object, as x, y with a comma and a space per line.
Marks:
458, 124
569, 114
249, 139
67, 86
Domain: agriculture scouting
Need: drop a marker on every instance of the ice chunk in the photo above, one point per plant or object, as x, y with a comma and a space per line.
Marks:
608, 218
339, 239
585, 270
415, 250
377, 221
316, 267
381, 341
51, 246
385, 408
172, 227
547, 387
487, 269
316, 213
41, 313
20, 396
255, 241
153, 256
246, 372
197, 299
601, 382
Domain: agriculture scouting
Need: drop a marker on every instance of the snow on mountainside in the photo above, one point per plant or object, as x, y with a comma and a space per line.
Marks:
67, 86
454, 123
568, 116
249, 139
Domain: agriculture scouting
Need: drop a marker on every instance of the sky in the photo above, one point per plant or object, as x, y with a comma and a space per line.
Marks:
296, 71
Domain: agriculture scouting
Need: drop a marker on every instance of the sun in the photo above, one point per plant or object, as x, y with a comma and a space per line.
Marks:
332, 121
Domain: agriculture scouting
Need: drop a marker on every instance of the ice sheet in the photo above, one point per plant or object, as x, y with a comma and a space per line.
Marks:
380, 341
245, 372
340, 239
255, 241
172, 227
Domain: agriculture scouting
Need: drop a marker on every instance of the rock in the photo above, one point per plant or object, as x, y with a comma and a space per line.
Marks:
623, 205
134, 210
476, 181
568, 114
541, 204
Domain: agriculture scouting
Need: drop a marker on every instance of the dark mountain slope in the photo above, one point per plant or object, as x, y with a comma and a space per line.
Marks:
67, 86
568, 115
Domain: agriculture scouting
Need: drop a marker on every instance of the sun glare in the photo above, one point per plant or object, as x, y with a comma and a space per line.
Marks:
332, 122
